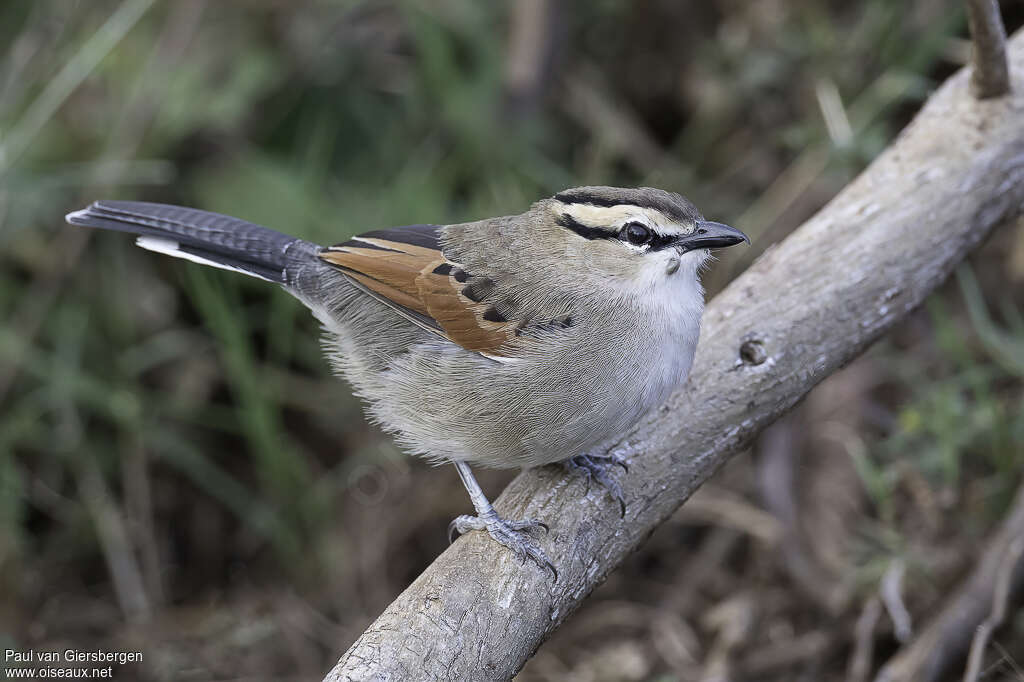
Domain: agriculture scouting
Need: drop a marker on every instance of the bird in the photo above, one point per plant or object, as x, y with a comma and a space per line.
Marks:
508, 342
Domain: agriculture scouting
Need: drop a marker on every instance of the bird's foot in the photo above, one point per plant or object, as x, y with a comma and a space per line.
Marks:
513, 534
598, 468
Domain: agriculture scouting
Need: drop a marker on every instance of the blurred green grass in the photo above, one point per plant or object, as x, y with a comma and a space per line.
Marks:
341, 117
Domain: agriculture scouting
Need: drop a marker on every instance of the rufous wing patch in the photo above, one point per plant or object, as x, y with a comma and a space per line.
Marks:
391, 274
405, 271
461, 318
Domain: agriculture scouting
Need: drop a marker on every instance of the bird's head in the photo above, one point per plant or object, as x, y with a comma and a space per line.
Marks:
639, 238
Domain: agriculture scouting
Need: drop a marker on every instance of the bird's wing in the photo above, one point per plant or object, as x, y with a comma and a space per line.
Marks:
404, 268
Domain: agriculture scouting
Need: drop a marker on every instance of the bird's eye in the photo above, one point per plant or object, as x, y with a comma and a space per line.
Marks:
637, 234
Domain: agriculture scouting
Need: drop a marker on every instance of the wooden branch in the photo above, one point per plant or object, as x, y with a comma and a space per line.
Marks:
803, 310
989, 76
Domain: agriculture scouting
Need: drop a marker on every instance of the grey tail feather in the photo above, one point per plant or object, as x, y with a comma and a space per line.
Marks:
202, 237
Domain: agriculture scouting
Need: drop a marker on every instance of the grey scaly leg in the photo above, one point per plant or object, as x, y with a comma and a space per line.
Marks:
512, 534
598, 468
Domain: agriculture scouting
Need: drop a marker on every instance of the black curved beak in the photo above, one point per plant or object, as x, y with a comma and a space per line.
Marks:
710, 235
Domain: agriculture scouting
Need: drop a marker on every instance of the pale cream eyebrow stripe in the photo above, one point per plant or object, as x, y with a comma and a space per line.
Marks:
613, 216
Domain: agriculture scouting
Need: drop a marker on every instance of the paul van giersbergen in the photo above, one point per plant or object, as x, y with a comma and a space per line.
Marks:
72, 656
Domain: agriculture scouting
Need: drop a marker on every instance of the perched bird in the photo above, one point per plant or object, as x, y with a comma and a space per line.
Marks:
506, 342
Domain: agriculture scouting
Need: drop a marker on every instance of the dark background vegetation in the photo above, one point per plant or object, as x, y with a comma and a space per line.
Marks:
179, 474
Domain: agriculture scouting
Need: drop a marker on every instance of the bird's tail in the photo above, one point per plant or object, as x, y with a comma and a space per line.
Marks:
203, 237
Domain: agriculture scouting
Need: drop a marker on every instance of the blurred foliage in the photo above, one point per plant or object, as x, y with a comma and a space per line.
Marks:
195, 404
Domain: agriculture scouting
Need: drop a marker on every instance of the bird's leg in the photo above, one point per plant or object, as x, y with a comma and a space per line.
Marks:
512, 534
598, 468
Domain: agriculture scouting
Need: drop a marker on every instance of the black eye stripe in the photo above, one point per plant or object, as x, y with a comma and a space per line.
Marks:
657, 242
653, 241
660, 241
567, 221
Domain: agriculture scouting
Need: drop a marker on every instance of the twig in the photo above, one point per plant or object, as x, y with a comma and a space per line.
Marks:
715, 505
530, 52
732, 621
989, 74
864, 641
612, 122
995, 619
891, 592
113, 536
808, 307
1006, 658
783, 655
776, 476
945, 640
700, 568
138, 503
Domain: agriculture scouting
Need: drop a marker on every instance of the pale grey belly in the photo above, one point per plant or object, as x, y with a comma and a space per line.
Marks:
445, 403
459, 406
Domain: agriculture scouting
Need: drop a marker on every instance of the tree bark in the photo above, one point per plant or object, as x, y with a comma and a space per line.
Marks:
806, 308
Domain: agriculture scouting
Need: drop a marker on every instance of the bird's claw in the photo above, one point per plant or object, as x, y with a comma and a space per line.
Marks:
596, 468
510, 533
